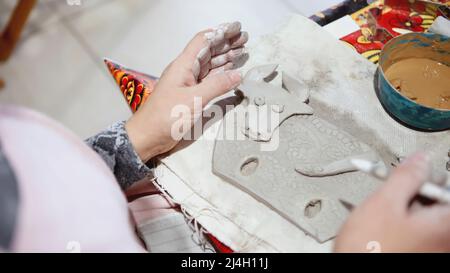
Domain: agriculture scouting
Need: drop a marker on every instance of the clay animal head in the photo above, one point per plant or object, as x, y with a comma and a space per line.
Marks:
270, 101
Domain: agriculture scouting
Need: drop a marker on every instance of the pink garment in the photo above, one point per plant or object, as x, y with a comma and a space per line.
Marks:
69, 199
151, 207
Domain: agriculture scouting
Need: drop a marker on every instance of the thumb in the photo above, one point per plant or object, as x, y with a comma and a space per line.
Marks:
406, 181
217, 85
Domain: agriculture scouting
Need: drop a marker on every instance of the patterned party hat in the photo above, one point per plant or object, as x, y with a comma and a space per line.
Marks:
135, 86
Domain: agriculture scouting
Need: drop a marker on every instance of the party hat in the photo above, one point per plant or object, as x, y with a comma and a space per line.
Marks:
135, 86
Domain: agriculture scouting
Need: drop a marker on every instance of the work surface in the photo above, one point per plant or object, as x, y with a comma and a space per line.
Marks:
340, 81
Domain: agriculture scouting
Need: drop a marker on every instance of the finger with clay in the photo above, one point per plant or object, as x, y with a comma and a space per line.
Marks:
224, 45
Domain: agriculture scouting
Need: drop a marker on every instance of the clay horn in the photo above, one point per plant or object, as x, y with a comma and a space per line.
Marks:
294, 87
259, 73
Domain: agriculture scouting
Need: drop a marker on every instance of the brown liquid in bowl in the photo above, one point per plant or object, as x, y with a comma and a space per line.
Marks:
425, 81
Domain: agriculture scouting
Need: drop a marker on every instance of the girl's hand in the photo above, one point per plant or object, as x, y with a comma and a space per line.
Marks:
388, 223
202, 71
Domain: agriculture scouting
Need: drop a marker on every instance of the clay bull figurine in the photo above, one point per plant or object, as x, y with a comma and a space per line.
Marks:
286, 101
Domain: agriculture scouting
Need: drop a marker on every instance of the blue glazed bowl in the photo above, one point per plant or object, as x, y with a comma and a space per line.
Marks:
431, 46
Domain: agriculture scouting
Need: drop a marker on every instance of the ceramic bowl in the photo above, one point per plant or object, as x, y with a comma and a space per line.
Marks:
431, 46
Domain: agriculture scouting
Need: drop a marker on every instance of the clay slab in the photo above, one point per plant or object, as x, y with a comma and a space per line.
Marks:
308, 179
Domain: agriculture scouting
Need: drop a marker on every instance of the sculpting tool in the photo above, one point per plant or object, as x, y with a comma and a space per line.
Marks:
428, 190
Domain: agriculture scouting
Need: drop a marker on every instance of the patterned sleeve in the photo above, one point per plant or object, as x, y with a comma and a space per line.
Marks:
114, 146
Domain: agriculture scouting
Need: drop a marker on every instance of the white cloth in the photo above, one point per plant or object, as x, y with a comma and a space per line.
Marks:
441, 26
337, 77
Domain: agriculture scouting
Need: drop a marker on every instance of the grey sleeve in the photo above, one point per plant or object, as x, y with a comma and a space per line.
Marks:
114, 146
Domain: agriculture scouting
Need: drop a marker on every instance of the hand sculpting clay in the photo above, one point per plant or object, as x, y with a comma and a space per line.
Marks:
309, 179
262, 95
